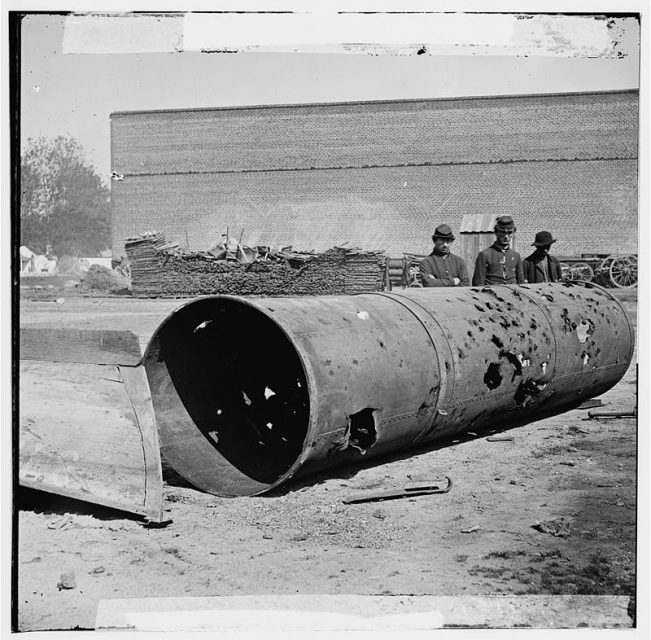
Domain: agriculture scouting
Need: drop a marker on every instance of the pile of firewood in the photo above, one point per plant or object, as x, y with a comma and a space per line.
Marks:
159, 269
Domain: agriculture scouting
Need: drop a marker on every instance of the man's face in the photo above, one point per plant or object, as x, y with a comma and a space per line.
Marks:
503, 237
442, 245
545, 248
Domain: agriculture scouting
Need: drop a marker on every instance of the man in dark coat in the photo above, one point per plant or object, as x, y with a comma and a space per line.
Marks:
540, 266
441, 268
499, 264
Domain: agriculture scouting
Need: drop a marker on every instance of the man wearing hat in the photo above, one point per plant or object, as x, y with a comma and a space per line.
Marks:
441, 268
540, 266
499, 264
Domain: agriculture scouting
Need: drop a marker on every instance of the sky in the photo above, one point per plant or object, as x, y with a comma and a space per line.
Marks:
74, 93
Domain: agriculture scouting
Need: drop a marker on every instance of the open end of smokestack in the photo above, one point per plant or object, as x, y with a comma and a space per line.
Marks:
222, 372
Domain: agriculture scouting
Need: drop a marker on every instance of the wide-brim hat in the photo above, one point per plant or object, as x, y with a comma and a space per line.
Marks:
543, 238
443, 231
504, 223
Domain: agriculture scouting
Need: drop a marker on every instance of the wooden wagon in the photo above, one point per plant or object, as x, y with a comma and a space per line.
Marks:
609, 270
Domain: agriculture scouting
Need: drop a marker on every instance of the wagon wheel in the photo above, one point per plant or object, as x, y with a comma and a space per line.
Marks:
582, 271
623, 271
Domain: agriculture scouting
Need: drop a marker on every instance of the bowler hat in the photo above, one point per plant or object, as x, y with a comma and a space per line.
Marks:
443, 231
504, 223
543, 239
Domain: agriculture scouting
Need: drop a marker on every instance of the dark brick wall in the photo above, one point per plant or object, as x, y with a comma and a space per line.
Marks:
388, 172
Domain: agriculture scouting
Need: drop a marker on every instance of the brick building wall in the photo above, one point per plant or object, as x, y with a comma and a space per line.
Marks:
382, 175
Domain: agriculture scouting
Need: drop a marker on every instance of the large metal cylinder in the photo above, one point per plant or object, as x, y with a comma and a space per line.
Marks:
250, 392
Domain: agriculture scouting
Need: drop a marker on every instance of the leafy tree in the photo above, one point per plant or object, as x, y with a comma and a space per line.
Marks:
63, 201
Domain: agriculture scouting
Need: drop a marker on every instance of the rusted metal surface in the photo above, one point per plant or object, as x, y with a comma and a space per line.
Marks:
248, 393
86, 422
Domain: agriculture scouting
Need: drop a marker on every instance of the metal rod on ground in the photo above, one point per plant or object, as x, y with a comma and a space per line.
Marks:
611, 414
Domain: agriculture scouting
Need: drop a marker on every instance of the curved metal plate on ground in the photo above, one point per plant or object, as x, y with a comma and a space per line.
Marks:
86, 424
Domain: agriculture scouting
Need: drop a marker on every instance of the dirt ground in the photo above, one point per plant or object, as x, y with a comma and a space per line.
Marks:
576, 474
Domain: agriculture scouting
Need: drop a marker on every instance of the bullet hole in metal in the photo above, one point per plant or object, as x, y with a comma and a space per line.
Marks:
565, 316
497, 342
363, 315
219, 412
268, 393
424, 408
489, 305
533, 325
362, 433
442, 412
548, 296
543, 366
479, 307
269, 425
524, 362
202, 325
585, 357
355, 361
381, 344
470, 334
448, 366
214, 436
481, 329
247, 400
460, 353
584, 329
493, 377
527, 392
515, 363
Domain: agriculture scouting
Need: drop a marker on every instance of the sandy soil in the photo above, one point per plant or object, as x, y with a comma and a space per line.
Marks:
477, 539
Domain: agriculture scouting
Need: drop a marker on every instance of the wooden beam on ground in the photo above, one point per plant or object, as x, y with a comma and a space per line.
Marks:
92, 346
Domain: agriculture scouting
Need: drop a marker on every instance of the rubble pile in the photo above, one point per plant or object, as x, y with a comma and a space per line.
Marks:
160, 269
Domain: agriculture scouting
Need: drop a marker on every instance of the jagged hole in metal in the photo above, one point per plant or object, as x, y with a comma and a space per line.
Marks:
241, 382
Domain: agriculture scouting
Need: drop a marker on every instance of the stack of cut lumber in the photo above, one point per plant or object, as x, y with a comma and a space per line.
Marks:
144, 260
165, 270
